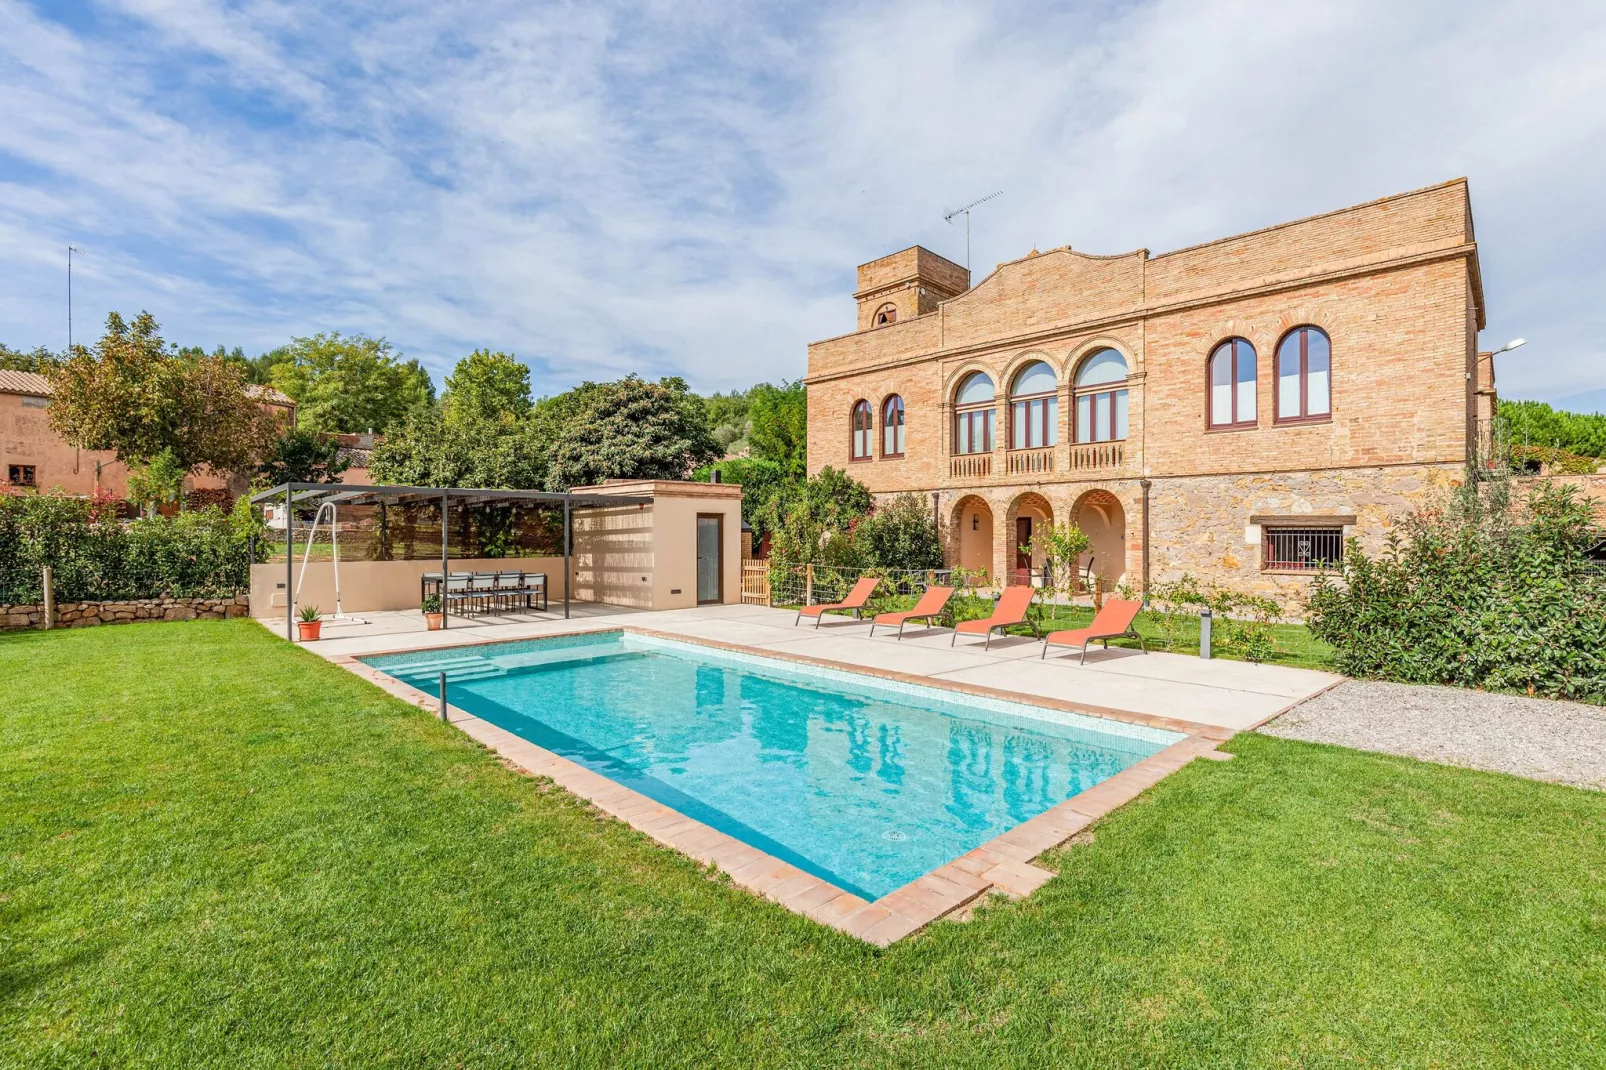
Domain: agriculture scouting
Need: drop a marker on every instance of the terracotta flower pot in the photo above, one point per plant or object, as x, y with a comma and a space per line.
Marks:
309, 629
433, 620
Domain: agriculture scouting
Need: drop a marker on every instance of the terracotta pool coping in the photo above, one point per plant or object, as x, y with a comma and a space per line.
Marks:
1003, 864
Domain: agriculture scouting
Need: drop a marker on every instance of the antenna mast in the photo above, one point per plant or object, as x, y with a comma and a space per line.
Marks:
948, 217
71, 249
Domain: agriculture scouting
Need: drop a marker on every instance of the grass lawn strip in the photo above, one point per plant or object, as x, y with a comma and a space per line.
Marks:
216, 849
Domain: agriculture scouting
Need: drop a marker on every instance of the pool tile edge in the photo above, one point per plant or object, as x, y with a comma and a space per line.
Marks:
1003, 865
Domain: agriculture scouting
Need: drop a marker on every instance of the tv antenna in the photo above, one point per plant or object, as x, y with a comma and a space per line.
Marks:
71, 249
948, 217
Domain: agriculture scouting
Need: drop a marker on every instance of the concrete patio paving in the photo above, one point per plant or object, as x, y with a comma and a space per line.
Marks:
1233, 695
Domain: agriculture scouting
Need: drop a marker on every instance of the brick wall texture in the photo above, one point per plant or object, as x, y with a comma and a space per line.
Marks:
1393, 283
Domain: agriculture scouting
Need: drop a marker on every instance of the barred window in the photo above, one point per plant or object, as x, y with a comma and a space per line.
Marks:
1303, 549
21, 475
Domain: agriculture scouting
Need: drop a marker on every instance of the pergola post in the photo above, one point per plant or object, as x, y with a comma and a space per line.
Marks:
289, 569
565, 557
445, 616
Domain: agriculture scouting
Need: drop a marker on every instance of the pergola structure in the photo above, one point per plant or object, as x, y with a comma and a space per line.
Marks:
313, 495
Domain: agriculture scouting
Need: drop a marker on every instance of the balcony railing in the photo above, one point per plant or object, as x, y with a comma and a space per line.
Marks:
1092, 458
1027, 462
970, 466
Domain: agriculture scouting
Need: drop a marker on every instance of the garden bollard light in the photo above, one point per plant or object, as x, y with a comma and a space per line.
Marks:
443, 698
1204, 634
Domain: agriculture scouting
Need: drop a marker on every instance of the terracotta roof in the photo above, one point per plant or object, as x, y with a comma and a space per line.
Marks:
24, 383
268, 394
37, 385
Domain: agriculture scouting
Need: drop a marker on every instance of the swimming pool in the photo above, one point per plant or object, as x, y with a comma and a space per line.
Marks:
865, 783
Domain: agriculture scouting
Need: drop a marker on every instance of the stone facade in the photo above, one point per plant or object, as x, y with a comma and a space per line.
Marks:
1394, 285
89, 614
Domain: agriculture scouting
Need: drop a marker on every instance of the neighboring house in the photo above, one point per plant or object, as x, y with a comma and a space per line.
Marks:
356, 451
1232, 410
36, 457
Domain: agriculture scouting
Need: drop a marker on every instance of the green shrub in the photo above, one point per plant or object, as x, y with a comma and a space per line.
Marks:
1241, 622
902, 534
1479, 593
95, 557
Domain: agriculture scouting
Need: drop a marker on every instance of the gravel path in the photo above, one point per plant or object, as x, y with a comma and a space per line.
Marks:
1564, 742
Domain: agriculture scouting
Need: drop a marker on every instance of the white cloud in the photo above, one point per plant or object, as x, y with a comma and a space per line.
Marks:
687, 188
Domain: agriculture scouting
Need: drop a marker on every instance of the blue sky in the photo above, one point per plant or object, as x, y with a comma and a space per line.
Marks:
687, 187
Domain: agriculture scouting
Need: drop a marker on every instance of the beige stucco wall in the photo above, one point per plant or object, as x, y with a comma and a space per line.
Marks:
641, 556
646, 556
373, 586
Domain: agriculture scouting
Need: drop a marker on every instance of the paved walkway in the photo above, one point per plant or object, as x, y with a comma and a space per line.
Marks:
1220, 693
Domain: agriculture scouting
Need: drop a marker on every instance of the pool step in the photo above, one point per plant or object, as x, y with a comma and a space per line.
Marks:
472, 668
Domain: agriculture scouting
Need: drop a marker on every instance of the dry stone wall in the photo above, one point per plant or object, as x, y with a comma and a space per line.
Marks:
89, 614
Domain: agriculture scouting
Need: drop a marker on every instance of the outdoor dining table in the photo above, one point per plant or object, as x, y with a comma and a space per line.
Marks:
530, 584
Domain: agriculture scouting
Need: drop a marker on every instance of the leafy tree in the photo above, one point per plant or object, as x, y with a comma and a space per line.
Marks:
1533, 423
302, 456
160, 481
430, 451
761, 482
552, 416
487, 386
14, 360
813, 521
779, 419
728, 419
350, 384
131, 396
257, 370
902, 534
631, 429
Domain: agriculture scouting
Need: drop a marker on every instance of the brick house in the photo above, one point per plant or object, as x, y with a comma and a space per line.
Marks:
1232, 410
35, 457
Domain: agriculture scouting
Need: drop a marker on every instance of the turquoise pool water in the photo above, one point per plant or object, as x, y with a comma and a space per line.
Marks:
865, 783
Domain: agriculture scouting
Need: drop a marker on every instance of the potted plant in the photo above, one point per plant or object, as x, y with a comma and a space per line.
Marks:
432, 612
310, 626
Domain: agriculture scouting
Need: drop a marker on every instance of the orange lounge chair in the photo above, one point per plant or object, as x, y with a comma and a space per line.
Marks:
930, 605
854, 601
1011, 609
1114, 621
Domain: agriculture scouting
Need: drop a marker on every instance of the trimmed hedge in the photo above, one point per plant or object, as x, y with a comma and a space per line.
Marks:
97, 557
1481, 593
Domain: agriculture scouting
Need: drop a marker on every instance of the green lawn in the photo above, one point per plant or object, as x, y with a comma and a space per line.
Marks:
217, 850
1296, 646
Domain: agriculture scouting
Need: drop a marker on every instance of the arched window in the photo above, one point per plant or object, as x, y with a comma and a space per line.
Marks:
861, 431
1034, 408
973, 414
1304, 376
887, 313
1232, 384
892, 427
1101, 397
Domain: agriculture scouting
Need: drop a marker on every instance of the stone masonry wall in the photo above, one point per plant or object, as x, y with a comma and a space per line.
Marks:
1200, 525
88, 614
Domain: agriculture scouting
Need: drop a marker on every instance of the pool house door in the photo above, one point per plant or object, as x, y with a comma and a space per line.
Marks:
710, 566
